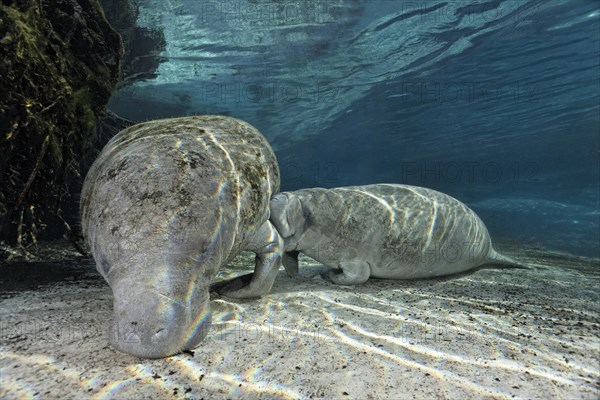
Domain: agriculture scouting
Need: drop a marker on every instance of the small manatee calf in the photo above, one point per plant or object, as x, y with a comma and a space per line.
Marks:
383, 231
163, 207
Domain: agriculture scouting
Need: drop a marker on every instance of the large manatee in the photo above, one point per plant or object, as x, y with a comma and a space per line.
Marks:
163, 207
383, 231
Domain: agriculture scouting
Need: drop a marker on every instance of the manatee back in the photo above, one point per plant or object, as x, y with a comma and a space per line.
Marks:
186, 180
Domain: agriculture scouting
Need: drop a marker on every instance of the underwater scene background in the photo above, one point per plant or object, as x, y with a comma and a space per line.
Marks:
495, 103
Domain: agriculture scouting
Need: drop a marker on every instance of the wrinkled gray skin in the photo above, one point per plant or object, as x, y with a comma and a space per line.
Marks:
382, 231
164, 206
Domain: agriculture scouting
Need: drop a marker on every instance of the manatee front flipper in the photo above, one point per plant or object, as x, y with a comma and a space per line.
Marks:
353, 273
268, 246
290, 263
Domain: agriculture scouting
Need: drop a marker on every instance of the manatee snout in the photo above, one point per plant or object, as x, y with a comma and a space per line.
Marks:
149, 324
288, 218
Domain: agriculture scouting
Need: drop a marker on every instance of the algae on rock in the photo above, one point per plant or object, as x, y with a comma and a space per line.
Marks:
59, 63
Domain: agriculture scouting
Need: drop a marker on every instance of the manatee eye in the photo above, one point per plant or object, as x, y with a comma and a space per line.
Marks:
103, 266
102, 263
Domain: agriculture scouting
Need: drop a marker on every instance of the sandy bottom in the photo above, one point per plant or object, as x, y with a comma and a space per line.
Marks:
493, 333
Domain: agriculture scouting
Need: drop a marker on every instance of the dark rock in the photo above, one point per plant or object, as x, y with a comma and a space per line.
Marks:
59, 63
142, 45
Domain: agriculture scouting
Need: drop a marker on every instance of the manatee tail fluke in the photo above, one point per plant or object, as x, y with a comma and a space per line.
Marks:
497, 258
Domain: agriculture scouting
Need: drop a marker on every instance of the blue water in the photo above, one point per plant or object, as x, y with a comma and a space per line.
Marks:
496, 103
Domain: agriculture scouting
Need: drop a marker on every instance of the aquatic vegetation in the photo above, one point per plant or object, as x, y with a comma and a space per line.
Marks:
60, 64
